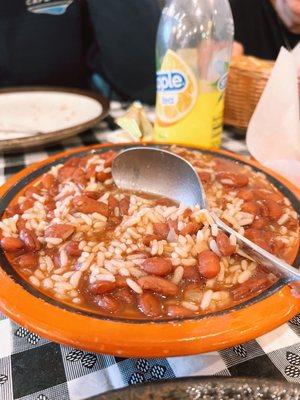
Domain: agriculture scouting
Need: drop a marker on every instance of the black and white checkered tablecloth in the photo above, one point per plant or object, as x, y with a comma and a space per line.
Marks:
32, 368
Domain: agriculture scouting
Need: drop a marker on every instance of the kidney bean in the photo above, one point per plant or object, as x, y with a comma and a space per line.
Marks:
72, 173
251, 207
30, 240
191, 273
208, 264
149, 238
28, 260
191, 228
224, 245
50, 205
263, 209
125, 296
72, 249
93, 194
149, 305
112, 203
87, 205
275, 210
91, 171
259, 222
205, 177
61, 231
157, 266
102, 176
161, 229
175, 311
245, 194
187, 213
107, 303
158, 285
164, 201
12, 210
26, 204
232, 179
124, 205
11, 244
21, 224
102, 287
65, 173
48, 181
32, 190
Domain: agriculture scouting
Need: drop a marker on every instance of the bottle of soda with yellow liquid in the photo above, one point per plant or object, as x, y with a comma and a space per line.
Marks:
193, 51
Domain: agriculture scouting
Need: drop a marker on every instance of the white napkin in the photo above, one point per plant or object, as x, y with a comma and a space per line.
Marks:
273, 136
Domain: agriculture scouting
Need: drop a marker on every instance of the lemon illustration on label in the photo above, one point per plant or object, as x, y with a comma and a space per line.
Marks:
176, 89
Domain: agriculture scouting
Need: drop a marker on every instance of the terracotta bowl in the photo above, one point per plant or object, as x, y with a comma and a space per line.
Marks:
84, 329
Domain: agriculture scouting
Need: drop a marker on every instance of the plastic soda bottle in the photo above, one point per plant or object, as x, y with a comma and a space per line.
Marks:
193, 51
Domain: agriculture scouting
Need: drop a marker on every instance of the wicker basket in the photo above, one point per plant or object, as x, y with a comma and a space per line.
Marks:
246, 81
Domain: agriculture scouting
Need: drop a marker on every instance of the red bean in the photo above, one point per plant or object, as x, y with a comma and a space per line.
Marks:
251, 207
161, 229
149, 238
21, 224
157, 266
65, 173
245, 194
60, 231
191, 228
268, 195
191, 274
121, 281
12, 210
93, 194
26, 204
11, 244
102, 287
259, 237
32, 190
112, 203
259, 222
48, 181
72, 162
87, 205
252, 285
30, 240
102, 176
50, 205
124, 205
224, 245
275, 210
175, 311
72, 249
28, 260
158, 285
149, 305
107, 303
208, 264
125, 296
232, 179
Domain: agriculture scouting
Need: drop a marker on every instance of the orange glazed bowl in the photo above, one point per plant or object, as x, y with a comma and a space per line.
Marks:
82, 328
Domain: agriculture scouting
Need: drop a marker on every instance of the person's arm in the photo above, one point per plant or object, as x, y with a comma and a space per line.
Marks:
125, 34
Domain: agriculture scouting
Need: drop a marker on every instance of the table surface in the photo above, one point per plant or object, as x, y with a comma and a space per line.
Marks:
33, 368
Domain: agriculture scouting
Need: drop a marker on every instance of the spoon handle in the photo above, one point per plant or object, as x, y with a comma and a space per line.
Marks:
275, 265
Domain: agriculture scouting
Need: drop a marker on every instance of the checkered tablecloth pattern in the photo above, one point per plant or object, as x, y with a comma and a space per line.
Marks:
33, 368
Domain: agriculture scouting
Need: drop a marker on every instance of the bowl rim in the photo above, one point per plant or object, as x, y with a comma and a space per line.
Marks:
9, 191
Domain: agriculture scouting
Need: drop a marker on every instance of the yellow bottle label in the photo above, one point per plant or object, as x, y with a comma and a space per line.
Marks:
187, 111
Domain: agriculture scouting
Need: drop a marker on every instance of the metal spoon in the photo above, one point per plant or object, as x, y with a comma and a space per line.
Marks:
160, 172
